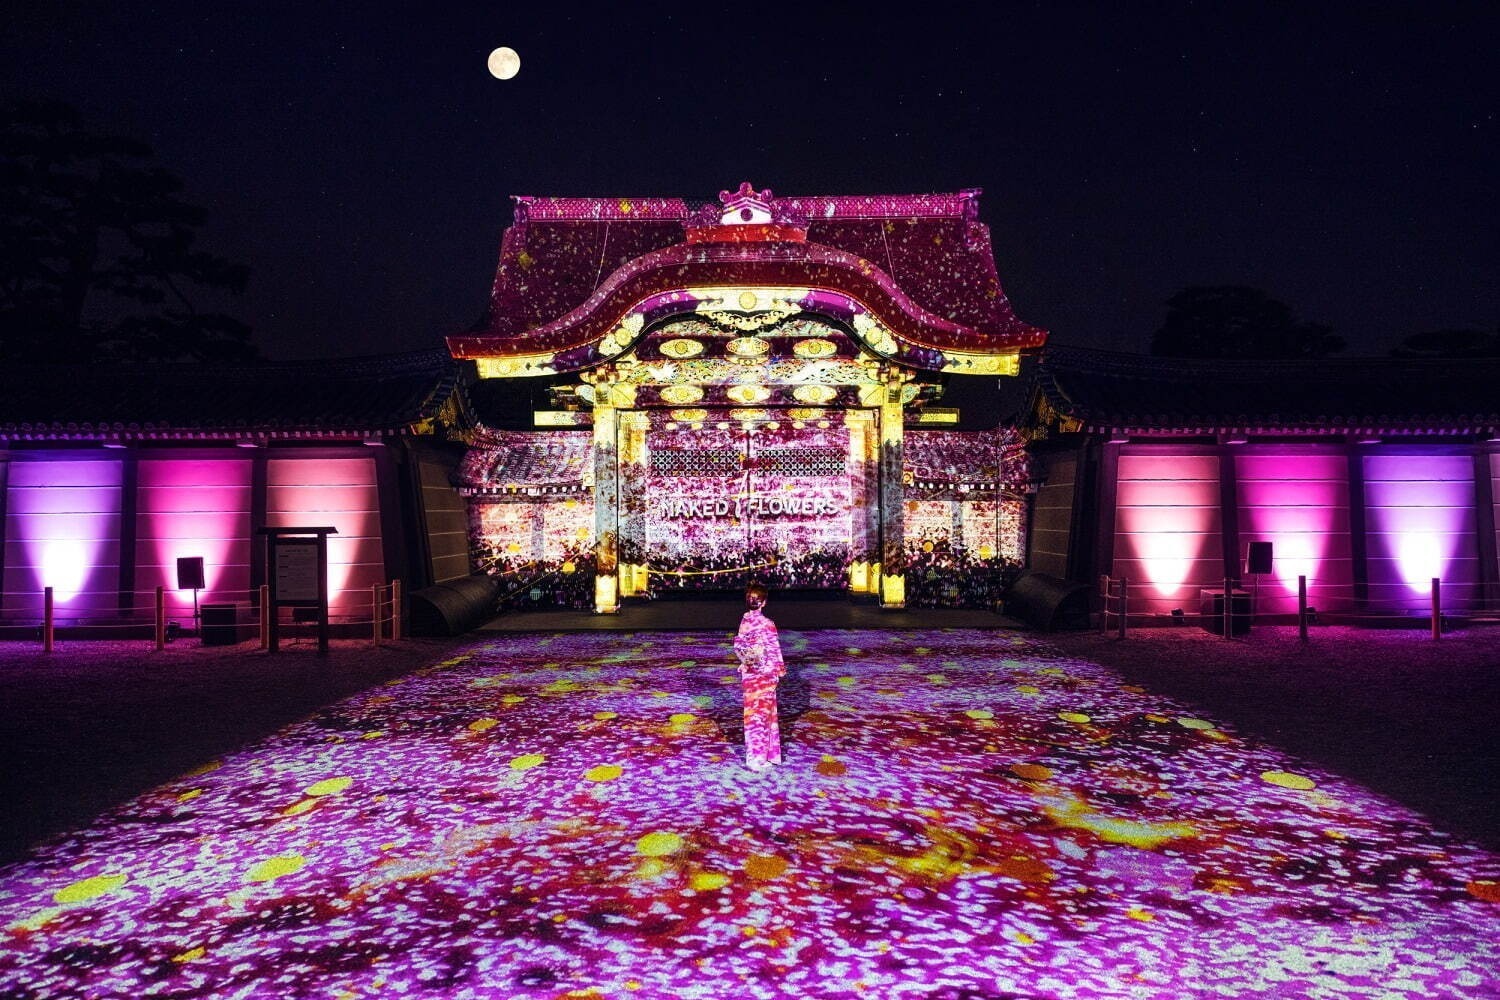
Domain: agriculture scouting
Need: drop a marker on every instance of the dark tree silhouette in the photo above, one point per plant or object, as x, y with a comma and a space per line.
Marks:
1232, 321
97, 257
1449, 344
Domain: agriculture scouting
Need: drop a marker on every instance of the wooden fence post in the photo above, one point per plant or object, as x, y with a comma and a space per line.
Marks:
1302, 608
396, 610
265, 616
1124, 603
1104, 605
375, 612
1228, 610
161, 617
47, 619
1437, 608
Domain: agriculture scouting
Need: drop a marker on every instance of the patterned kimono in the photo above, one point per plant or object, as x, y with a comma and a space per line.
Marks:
759, 649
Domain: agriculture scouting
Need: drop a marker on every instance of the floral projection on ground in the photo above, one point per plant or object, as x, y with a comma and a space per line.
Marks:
960, 814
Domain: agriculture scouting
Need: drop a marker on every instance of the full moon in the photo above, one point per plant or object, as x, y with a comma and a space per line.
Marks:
504, 63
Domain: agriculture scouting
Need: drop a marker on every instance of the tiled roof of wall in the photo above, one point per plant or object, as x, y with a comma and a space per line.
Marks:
371, 395
1109, 391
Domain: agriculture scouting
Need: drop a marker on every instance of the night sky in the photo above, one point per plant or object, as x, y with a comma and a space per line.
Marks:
361, 161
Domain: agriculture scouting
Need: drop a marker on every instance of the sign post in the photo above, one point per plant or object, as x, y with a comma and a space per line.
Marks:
298, 563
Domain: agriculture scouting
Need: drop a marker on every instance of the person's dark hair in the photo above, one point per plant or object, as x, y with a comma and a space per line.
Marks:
756, 596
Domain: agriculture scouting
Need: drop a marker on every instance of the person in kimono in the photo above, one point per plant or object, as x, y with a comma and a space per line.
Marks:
758, 647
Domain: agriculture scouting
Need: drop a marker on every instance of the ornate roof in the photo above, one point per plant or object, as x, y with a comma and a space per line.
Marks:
1105, 392
573, 270
364, 397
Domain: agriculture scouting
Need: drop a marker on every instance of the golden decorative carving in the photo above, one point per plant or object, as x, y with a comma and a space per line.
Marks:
517, 366
874, 334
681, 395
681, 348
815, 394
748, 393
965, 363
748, 347
756, 321
811, 349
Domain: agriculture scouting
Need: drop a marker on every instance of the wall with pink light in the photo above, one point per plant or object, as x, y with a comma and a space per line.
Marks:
1297, 498
343, 492
194, 506
64, 513
63, 530
1167, 526
1420, 524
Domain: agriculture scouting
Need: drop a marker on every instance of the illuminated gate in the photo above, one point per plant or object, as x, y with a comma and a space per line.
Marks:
745, 386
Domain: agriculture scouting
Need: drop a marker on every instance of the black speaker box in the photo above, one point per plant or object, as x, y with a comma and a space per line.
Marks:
190, 573
1260, 558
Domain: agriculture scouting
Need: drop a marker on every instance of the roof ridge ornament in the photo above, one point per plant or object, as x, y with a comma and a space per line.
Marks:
747, 215
746, 206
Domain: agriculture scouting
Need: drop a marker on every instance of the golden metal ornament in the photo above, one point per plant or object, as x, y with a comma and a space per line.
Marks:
519, 366
812, 349
681, 348
814, 394
681, 395
748, 347
748, 393
758, 321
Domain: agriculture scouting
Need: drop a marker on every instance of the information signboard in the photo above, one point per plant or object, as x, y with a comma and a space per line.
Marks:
297, 571
297, 559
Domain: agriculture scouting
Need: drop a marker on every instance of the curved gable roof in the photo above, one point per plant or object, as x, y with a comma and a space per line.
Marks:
571, 268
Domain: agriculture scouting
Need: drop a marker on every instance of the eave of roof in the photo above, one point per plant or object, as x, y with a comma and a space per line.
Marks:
369, 397
1106, 392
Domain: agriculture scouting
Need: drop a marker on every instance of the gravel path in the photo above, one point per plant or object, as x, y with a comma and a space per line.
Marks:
96, 723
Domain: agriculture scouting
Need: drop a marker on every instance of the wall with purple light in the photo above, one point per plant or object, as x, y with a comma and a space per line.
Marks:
1369, 525
63, 532
1493, 464
1167, 526
66, 526
1297, 498
1419, 511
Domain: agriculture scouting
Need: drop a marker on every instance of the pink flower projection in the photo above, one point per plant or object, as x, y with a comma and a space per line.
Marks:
959, 814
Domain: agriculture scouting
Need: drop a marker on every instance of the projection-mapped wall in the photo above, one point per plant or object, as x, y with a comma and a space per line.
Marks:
790, 499
769, 501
